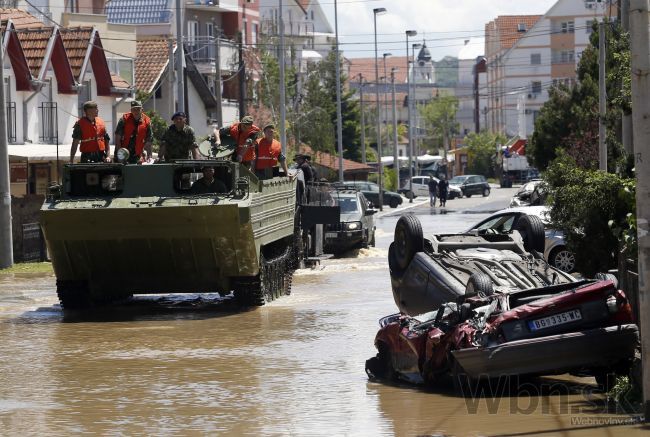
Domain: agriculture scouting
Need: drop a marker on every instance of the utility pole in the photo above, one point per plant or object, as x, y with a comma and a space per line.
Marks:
339, 118
283, 98
602, 99
395, 157
217, 85
180, 55
640, 51
6, 238
241, 78
627, 138
363, 121
170, 78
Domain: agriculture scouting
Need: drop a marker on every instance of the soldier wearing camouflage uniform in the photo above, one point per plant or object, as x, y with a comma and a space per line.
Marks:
179, 140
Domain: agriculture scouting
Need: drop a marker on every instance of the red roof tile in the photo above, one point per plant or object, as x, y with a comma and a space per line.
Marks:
504, 30
76, 41
119, 82
150, 62
34, 42
366, 66
332, 161
20, 18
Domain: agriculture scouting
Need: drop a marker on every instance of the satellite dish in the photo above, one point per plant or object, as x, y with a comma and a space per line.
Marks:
217, 151
205, 148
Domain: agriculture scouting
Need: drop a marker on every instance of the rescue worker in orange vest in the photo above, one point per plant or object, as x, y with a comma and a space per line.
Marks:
90, 132
269, 153
134, 132
244, 134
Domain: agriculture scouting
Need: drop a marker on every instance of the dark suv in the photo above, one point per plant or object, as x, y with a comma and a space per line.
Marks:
371, 191
356, 228
471, 184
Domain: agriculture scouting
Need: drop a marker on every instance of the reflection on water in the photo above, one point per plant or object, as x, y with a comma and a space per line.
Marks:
195, 364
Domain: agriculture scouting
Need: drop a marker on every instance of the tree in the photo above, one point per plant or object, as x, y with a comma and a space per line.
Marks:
440, 115
481, 151
569, 119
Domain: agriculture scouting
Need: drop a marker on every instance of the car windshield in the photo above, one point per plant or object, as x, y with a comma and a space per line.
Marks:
457, 180
348, 204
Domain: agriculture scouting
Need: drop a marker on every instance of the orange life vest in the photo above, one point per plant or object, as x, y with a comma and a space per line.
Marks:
141, 134
267, 153
240, 138
92, 135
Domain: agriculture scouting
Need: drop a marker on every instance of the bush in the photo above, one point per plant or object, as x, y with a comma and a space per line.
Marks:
595, 210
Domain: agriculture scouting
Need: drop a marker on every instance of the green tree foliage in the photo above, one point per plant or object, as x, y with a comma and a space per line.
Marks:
569, 119
159, 127
481, 151
594, 210
440, 115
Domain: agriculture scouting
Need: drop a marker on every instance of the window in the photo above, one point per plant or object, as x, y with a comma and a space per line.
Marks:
192, 32
535, 58
567, 27
521, 27
254, 34
536, 87
567, 56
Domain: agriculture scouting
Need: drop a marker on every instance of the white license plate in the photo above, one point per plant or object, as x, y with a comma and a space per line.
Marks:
555, 320
330, 234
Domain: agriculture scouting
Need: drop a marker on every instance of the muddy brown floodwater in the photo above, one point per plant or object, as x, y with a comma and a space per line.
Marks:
194, 365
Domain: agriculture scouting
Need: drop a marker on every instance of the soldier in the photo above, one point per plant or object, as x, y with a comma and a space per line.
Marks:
178, 140
244, 134
90, 131
134, 132
269, 153
208, 184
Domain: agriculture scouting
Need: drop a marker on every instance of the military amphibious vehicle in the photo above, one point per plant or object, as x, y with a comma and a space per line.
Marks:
115, 230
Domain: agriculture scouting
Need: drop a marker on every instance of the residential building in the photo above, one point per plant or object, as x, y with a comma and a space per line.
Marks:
526, 55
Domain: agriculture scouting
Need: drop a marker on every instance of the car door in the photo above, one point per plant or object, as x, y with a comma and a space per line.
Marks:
420, 188
473, 185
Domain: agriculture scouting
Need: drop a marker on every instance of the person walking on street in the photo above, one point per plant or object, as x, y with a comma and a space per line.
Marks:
90, 132
134, 133
433, 189
244, 134
443, 186
179, 140
269, 154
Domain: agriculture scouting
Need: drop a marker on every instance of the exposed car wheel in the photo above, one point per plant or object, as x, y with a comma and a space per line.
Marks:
479, 284
408, 240
486, 192
393, 265
563, 259
607, 277
531, 229
394, 203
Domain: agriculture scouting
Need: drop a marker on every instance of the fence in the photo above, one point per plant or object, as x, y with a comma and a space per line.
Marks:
49, 123
11, 122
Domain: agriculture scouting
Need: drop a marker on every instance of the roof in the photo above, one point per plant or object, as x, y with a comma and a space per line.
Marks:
119, 82
138, 11
366, 66
76, 41
506, 27
34, 42
151, 59
21, 19
332, 161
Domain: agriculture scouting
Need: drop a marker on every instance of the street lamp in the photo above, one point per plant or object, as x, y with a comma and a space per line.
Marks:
385, 111
410, 132
414, 112
395, 155
339, 119
378, 11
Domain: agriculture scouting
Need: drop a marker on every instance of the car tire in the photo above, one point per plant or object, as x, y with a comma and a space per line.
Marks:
408, 240
393, 266
531, 229
562, 259
486, 192
394, 203
372, 240
607, 277
479, 284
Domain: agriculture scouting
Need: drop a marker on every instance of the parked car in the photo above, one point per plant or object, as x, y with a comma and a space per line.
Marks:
371, 191
486, 305
357, 226
524, 196
470, 185
555, 250
420, 187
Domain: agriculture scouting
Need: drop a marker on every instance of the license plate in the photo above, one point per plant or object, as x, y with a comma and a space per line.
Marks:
330, 234
555, 320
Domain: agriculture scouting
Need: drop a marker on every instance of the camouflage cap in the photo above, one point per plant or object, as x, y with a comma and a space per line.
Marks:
269, 126
90, 104
247, 119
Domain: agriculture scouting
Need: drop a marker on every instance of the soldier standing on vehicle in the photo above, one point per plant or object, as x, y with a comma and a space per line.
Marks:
269, 153
178, 140
443, 185
244, 134
90, 132
433, 189
134, 132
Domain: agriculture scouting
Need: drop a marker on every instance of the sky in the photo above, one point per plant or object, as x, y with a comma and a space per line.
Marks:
444, 24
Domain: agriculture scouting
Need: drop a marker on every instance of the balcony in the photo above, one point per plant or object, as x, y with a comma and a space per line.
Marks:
11, 122
49, 123
202, 50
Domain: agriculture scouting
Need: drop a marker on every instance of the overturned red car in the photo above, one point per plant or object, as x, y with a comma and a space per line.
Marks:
516, 315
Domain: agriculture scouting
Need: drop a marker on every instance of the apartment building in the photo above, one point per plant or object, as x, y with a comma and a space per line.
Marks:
528, 54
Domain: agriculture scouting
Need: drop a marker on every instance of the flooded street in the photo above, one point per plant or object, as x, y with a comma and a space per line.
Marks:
293, 367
